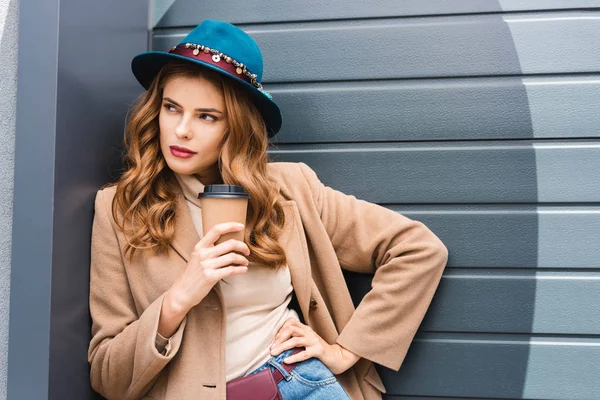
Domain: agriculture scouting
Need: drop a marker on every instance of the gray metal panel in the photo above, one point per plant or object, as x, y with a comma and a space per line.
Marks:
523, 301
191, 12
423, 47
404, 110
514, 236
498, 366
91, 76
564, 107
444, 109
456, 173
31, 269
539, 40
79, 97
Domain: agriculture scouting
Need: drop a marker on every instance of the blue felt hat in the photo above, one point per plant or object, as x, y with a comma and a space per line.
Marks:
221, 47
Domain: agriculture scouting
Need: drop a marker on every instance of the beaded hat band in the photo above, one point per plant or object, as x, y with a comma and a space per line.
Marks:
215, 57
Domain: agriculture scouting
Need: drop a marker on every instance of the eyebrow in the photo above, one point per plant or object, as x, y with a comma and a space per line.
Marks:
197, 109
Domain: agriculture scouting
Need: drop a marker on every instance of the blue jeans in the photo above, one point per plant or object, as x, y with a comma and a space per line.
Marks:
309, 380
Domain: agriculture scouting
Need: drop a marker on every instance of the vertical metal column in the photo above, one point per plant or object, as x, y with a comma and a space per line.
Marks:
74, 89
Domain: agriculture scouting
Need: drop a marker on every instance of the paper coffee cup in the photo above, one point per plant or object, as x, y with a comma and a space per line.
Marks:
224, 203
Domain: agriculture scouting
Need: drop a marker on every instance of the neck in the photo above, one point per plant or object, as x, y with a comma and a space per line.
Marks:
210, 177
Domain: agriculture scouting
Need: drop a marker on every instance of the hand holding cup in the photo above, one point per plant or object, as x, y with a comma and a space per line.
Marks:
220, 253
209, 263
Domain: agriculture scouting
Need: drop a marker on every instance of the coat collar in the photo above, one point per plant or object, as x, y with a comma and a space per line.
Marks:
186, 236
292, 239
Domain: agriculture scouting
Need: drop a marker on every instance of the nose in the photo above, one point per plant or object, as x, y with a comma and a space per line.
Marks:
182, 130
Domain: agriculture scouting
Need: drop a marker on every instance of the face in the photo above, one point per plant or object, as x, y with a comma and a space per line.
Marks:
192, 123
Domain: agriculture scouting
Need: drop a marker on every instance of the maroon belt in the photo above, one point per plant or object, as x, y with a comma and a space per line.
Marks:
260, 386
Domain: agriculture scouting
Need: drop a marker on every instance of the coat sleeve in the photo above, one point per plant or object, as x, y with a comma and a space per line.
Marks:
407, 261
122, 352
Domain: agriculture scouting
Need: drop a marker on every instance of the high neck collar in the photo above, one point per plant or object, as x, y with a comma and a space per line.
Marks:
191, 187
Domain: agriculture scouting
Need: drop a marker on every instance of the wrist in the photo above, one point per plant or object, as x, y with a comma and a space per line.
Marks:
340, 359
349, 357
174, 303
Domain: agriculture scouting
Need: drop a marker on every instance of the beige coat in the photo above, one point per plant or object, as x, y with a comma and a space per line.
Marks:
326, 231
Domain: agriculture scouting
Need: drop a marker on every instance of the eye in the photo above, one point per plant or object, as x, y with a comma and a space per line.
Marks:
170, 107
208, 117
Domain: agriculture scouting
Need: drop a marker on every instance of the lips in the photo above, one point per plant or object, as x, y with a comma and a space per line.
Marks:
181, 152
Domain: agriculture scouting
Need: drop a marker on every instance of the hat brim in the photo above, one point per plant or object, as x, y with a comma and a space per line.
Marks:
145, 67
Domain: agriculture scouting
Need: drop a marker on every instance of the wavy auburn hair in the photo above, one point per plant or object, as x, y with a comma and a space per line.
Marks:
146, 193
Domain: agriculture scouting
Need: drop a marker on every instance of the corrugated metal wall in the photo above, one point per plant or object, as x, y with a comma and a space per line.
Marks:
481, 119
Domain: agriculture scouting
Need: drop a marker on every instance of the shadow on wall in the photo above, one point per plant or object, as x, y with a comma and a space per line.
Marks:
75, 191
95, 91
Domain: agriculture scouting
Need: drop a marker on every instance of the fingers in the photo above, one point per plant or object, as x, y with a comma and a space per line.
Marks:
216, 231
300, 341
291, 327
229, 246
292, 334
226, 272
229, 259
302, 356
224, 254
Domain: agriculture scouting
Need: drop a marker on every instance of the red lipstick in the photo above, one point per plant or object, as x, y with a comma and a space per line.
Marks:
181, 152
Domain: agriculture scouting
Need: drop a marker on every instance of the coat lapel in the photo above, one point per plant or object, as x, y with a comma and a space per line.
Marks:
186, 236
292, 239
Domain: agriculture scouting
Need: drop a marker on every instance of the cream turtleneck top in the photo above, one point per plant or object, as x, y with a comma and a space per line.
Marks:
256, 302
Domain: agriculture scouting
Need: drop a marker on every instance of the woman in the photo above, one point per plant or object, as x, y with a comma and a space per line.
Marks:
176, 316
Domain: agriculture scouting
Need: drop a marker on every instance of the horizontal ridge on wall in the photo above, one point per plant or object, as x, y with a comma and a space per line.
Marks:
514, 236
437, 173
188, 12
501, 367
505, 301
439, 109
540, 43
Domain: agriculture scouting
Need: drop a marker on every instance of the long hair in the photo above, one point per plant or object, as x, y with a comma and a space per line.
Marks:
146, 193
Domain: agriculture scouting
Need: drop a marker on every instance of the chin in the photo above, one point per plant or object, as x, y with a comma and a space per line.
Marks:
180, 167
